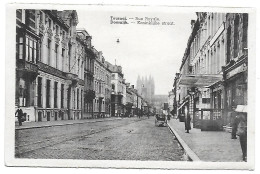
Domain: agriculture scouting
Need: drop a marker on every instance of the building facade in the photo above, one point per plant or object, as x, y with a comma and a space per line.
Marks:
117, 90
99, 84
49, 81
84, 52
84, 39
213, 74
108, 89
235, 71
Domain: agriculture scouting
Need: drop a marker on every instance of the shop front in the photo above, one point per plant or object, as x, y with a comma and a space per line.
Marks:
204, 100
236, 78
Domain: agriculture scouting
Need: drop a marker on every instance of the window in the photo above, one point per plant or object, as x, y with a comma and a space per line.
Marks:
228, 44
100, 88
74, 99
56, 55
69, 54
113, 76
30, 19
49, 51
113, 86
236, 36
48, 87
30, 50
245, 26
39, 100
62, 58
63, 35
40, 48
55, 94
62, 96
20, 48
19, 15
77, 98
57, 30
78, 66
49, 22
41, 16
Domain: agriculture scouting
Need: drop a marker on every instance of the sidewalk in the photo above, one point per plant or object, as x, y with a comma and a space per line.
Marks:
208, 146
30, 125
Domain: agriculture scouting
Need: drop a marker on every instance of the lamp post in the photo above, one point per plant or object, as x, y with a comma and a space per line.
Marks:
192, 93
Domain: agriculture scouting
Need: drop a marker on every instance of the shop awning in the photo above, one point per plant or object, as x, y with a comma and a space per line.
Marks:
202, 80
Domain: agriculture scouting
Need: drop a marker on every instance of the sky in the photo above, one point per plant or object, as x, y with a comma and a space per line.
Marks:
144, 50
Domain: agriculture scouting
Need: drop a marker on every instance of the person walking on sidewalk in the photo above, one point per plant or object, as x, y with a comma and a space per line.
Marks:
187, 123
19, 113
234, 122
242, 133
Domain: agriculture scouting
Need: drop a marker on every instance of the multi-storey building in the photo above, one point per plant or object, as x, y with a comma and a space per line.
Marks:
206, 57
235, 71
84, 44
48, 75
108, 89
130, 95
182, 92
117, 86
100, 73
85, 53
218, 46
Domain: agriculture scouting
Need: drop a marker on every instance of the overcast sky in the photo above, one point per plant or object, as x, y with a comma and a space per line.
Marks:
143, 50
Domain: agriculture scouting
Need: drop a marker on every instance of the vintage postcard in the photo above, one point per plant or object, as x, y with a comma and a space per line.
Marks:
117, 86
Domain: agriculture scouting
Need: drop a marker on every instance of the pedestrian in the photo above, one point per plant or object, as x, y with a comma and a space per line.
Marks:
242, 133
19, 113
187, 123
234, 125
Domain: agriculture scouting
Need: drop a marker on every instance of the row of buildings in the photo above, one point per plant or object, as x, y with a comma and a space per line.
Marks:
61, 76
213, 75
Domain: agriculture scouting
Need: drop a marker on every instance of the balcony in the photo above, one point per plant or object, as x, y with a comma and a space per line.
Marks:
73, 78
51, 70
27, 68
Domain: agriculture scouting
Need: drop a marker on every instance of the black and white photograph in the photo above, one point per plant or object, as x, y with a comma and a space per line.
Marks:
130, 87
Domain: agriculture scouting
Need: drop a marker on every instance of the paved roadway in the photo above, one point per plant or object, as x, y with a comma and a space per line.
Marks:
124, 139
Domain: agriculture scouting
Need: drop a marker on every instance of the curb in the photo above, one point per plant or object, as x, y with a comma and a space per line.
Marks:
43, 126
191, 155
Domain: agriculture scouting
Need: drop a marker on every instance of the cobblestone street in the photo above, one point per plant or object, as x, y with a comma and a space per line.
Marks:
124, 139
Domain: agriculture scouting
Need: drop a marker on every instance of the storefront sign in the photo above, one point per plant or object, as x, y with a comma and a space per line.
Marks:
237, 70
